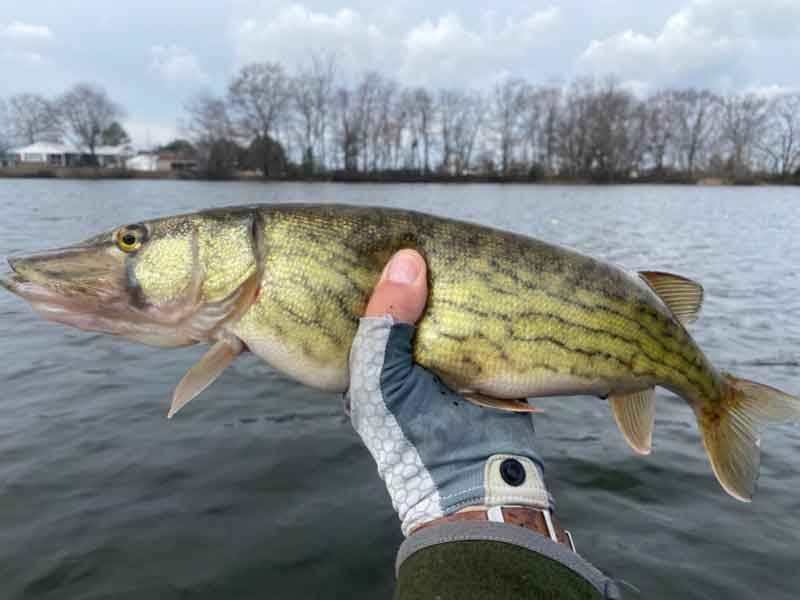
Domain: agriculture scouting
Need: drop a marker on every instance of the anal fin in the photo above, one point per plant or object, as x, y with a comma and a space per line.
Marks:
635, 413
518, 406
205, 372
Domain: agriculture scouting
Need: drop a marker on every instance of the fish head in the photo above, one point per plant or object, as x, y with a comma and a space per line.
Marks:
167, 282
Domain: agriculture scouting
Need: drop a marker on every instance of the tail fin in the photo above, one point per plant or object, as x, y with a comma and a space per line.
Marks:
730, 431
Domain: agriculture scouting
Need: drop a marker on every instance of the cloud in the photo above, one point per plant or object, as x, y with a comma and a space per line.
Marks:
174, 63
640, 89
429, 51
148, 134
707, 42
445, 42
23, 57
773, 90
749, 18
447, 50
16, 30
295, 30
683, 47
542, 21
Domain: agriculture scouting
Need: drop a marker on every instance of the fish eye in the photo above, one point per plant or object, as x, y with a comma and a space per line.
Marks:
130, 238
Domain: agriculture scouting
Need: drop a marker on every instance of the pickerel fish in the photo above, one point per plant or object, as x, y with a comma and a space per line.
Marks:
508, 317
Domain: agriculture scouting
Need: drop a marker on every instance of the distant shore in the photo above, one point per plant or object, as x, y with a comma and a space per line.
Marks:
88, 173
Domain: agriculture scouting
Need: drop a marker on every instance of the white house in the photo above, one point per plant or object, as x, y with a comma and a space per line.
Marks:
143, 162
164, 161
63, 155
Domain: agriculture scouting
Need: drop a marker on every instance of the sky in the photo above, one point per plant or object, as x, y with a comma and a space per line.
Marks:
152, 56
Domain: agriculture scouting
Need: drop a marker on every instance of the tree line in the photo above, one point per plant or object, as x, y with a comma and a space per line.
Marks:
312, 121
84, 115
589, 129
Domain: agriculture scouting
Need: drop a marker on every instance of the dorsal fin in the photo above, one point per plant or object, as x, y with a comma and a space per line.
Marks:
683, 296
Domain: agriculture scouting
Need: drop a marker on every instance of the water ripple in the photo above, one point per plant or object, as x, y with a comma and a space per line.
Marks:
247, 488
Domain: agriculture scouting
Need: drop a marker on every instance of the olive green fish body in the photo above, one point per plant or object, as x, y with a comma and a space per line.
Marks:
507, 316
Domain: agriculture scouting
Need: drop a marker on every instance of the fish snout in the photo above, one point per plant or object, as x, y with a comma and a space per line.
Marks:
75, 271
22, 263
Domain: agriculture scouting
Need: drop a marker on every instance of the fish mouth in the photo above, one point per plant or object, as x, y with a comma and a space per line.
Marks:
21, 286
75, 286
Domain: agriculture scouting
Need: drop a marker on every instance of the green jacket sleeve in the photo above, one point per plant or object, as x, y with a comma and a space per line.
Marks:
494, 561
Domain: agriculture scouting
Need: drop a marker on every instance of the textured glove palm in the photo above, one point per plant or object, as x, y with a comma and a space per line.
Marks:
436, 452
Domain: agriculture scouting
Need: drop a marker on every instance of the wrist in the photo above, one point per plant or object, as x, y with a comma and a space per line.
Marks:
539, 520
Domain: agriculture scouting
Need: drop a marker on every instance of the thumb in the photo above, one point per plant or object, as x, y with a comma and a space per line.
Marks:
402, 290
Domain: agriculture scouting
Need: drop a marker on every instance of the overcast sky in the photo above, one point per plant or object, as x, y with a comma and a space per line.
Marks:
151, 55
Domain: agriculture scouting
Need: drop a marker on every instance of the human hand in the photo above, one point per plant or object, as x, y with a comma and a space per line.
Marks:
437, 453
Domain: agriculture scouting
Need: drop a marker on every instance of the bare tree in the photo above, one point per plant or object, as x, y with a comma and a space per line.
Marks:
210, 129
371, 109
549, 106
508, 100
461, 118
744, 121
618, 130
259, 97
661, 130
695, 121
348, 124
602, 131
376, 118
88, 111
399, 134
33, 118
421, 115
207, 120
388, 126
575, 152
5, 135
530, 125
539, 113
312, 96
304, 116
781, 144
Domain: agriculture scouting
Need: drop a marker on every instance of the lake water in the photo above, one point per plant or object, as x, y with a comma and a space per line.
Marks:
260, 488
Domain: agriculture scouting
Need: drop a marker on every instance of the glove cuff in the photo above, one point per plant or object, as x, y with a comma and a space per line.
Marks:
471, 542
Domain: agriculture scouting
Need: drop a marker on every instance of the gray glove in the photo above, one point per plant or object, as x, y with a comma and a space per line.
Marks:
436, 452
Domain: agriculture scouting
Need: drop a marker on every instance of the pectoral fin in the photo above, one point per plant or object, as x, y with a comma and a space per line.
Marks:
520, 406
635, 413
205, 372
683, 296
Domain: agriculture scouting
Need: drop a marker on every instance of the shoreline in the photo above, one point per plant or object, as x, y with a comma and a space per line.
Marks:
88, 173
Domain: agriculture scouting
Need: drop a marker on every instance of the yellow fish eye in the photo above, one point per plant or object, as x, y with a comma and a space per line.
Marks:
130, 238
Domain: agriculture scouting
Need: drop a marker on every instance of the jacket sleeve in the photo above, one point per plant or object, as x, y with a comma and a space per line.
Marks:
494, 561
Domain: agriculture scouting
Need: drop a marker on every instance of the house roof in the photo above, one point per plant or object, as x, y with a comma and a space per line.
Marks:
54, 148
44, 148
